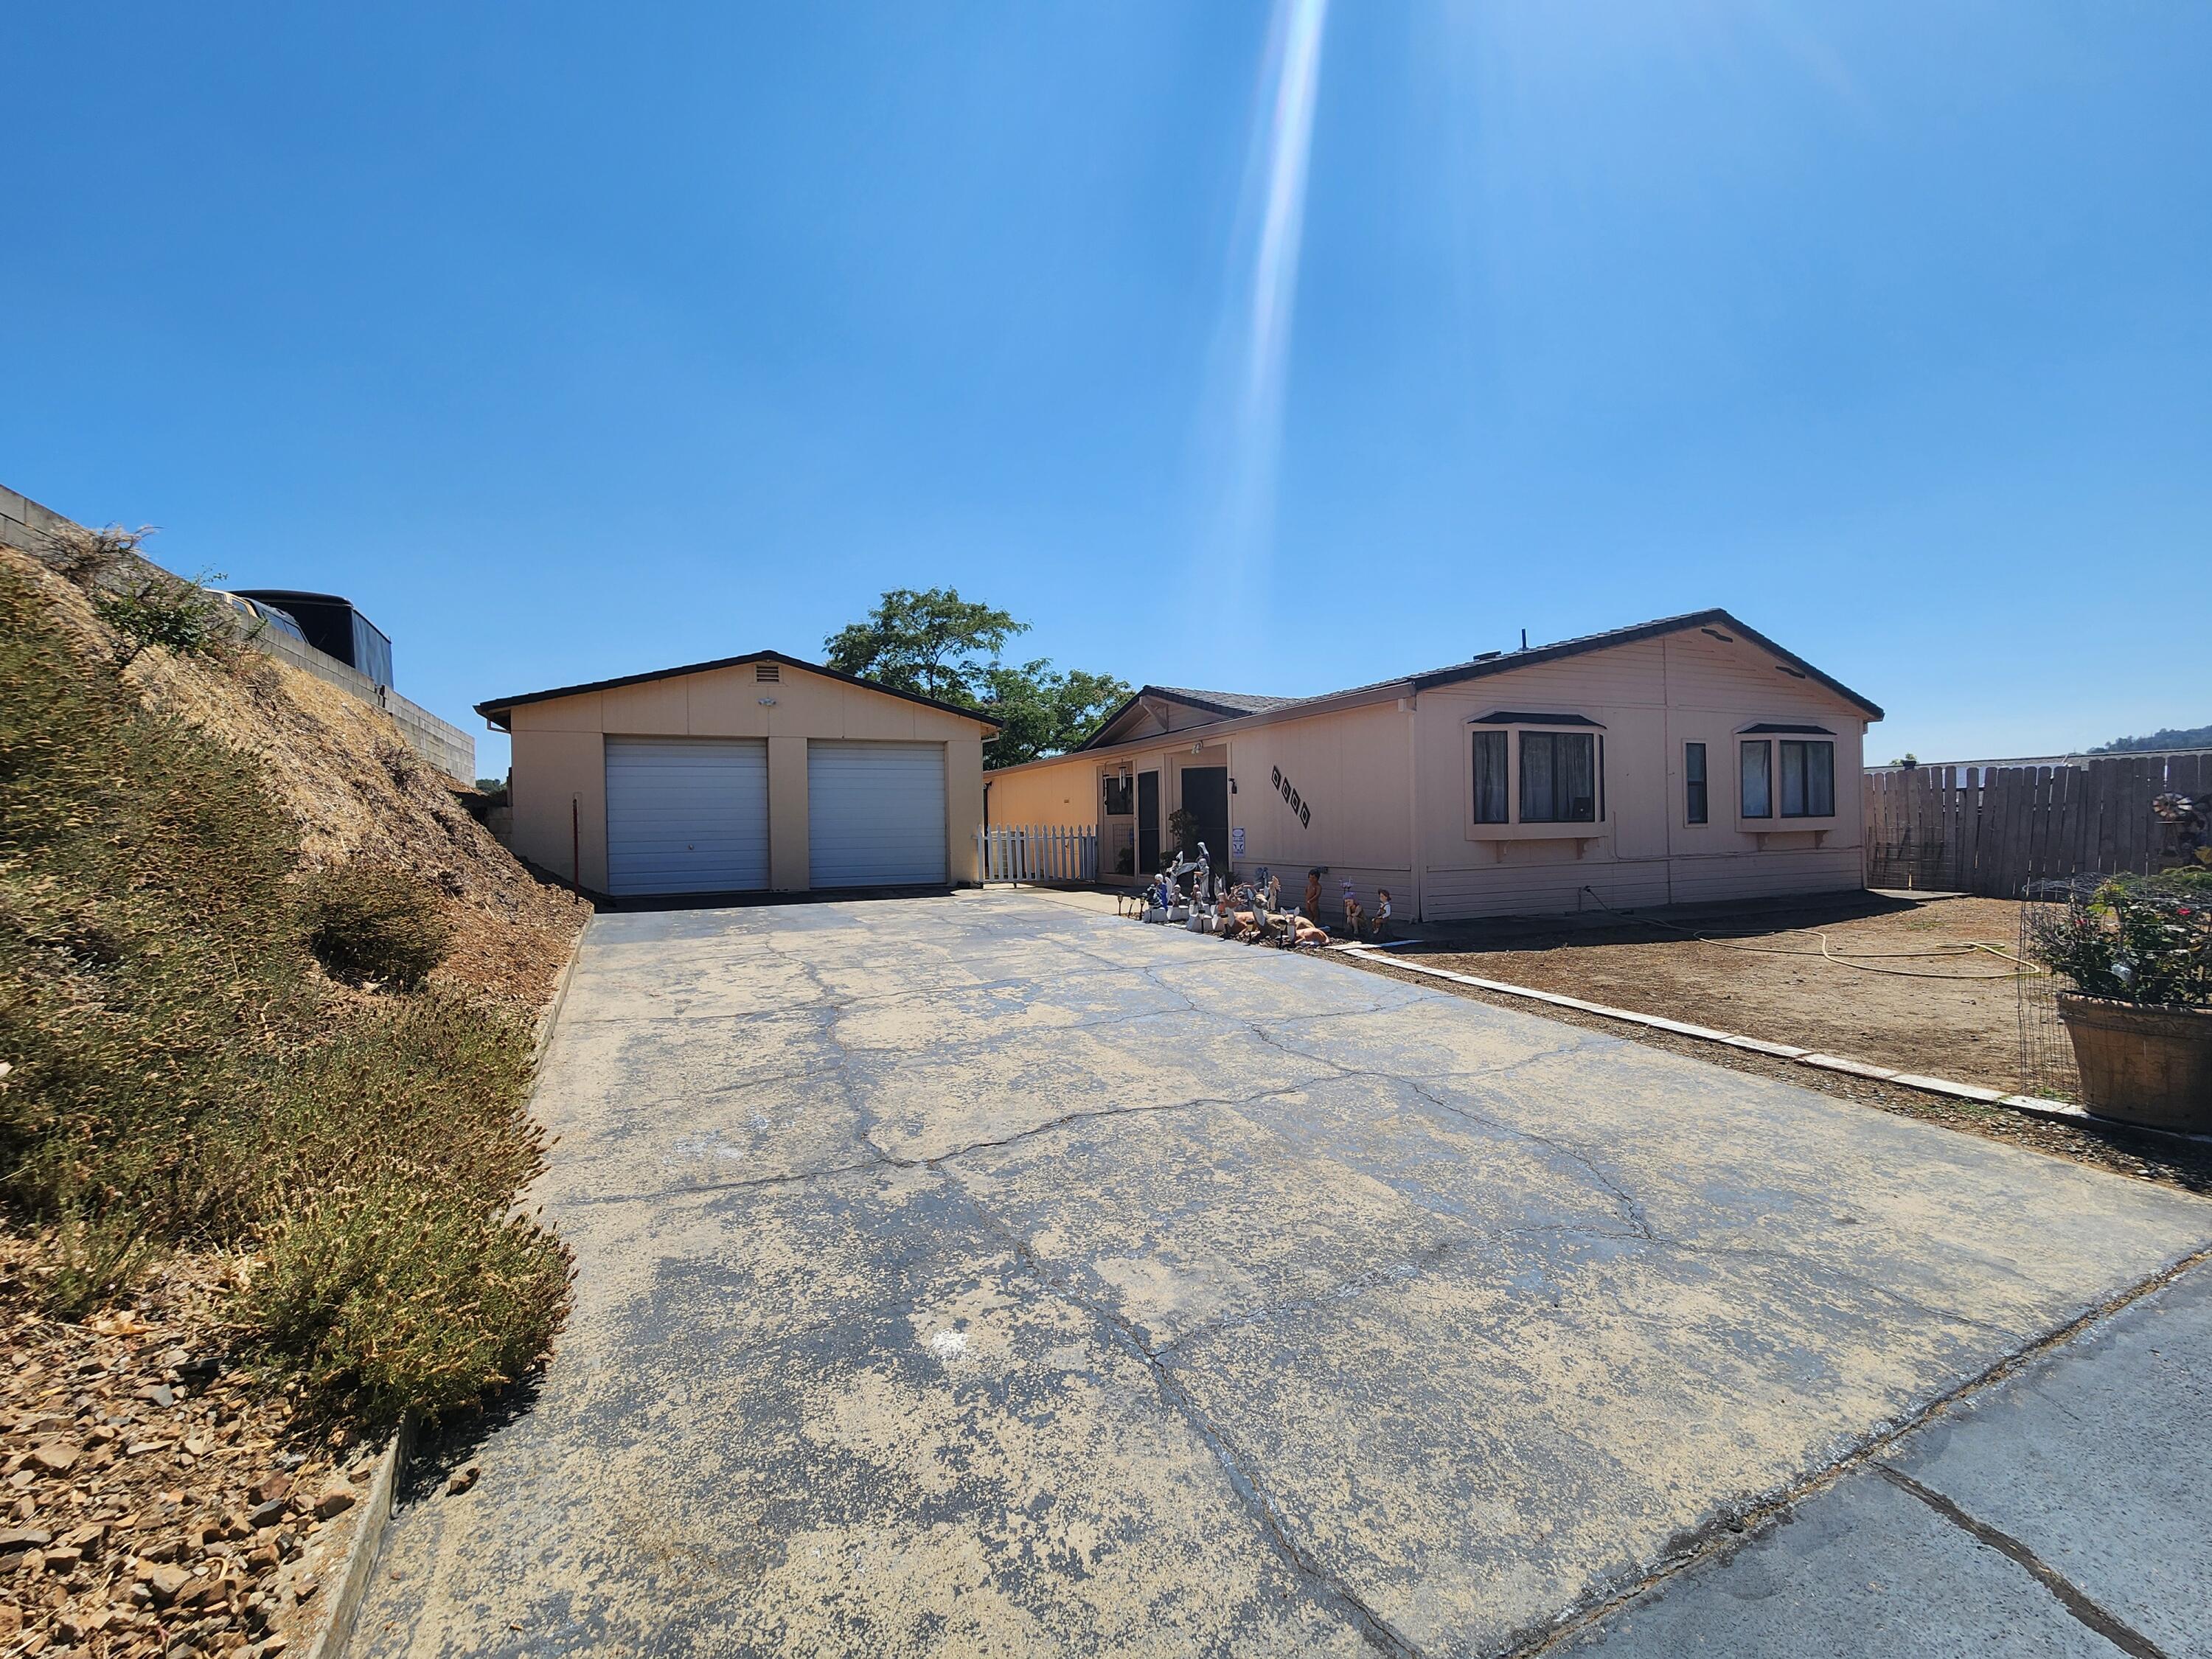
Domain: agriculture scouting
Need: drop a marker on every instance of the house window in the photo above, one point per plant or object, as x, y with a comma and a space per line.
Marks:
1757, 770
1489, 777
1808, 778
1558, 777
1693, 782
1121, 795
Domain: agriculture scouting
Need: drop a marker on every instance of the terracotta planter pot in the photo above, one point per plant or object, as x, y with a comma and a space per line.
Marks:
2143, 1065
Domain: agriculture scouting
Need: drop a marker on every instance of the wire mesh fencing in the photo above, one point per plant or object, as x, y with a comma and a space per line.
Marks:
2141, 940
2046, 1053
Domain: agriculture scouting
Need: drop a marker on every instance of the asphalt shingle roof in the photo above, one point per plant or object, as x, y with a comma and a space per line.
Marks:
1231, 705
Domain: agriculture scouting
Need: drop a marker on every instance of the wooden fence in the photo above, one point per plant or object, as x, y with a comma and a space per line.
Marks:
1038, 851
1993, 829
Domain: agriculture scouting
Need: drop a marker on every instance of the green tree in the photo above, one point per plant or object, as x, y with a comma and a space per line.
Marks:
934, 643
938, 645
1046, 711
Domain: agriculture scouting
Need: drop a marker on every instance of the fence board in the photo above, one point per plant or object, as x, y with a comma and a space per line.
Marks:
2129, 838
2049, 819
1038, 853
2107, 787
2036, 833
1995, 878
1992, 830
2066, 854
1975, 850
1959, 874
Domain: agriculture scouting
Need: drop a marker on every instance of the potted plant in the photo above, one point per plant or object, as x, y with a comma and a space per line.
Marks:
2139, 957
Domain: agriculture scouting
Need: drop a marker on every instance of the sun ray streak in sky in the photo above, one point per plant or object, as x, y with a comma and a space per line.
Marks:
1290, 81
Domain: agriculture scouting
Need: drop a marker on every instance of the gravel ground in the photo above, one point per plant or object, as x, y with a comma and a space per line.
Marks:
155, 1500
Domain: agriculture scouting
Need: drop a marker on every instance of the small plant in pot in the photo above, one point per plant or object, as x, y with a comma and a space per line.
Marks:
2138, 954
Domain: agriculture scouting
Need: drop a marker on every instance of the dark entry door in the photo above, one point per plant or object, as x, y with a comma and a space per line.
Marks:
1148, 823
1206, 798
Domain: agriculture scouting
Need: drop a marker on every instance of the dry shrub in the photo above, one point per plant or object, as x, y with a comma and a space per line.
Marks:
392, 1295
375, 922
90, 557
178, 1073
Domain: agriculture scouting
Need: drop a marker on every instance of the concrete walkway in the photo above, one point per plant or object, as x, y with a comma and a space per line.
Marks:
986, 1275
2064, 1511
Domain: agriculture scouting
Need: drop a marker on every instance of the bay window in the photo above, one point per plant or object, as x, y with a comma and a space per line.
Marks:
1791, 776
1536, 769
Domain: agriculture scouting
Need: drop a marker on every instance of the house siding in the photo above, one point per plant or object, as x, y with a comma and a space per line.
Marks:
1652, 696
558, 783
1387, 783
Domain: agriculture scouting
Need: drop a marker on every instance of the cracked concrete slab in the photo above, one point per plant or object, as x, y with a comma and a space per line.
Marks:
988, 1275
2061, 1510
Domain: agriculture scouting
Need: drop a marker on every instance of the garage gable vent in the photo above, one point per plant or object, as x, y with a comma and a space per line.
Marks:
768, 672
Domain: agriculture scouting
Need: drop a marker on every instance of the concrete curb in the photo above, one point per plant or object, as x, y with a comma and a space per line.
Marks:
2056, 1110
551, 1016
361, 1558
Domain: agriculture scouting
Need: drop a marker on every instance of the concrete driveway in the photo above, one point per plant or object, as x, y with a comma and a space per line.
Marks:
988, 1275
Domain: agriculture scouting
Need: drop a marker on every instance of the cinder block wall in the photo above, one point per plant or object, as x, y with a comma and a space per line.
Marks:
25, 525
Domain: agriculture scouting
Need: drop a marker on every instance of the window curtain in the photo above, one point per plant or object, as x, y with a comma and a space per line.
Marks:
1558, 777
1489, 777
1809, 779
1757, 795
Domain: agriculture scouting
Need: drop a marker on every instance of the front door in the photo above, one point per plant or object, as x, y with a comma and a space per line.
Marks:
1206, 798
1148, 823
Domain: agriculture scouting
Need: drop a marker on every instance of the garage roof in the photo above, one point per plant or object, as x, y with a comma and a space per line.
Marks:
496, 710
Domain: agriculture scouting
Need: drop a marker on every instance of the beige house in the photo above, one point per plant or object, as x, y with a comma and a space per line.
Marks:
1680, 761
754, 773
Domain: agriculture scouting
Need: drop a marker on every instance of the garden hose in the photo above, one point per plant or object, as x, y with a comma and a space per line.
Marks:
1844, 958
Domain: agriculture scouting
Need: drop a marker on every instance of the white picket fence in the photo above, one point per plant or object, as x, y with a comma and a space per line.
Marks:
1038, 851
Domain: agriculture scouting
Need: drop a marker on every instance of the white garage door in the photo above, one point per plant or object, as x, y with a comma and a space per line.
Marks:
686, 815
875, 814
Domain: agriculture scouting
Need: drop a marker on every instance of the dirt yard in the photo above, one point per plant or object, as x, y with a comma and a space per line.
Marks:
1951, 1015
1962, 1024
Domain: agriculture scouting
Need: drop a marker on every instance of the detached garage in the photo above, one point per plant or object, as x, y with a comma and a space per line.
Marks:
755, 773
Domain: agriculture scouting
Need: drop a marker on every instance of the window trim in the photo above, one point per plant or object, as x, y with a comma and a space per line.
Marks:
1767, 737
1558, 724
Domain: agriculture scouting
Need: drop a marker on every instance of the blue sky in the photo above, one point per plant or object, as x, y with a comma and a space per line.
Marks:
573, 341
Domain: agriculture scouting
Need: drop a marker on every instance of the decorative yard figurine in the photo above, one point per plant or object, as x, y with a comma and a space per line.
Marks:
2193, 826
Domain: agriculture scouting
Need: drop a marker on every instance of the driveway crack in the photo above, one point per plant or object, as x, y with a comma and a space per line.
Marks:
1083, 1116
2123, 1636
1339, 1597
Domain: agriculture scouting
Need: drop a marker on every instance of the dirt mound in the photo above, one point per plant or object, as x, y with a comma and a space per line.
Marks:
358, 793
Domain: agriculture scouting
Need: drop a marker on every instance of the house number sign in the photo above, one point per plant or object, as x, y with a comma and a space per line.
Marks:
1304, 809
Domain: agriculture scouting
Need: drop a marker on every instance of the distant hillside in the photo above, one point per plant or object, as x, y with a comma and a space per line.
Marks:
2193, 737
